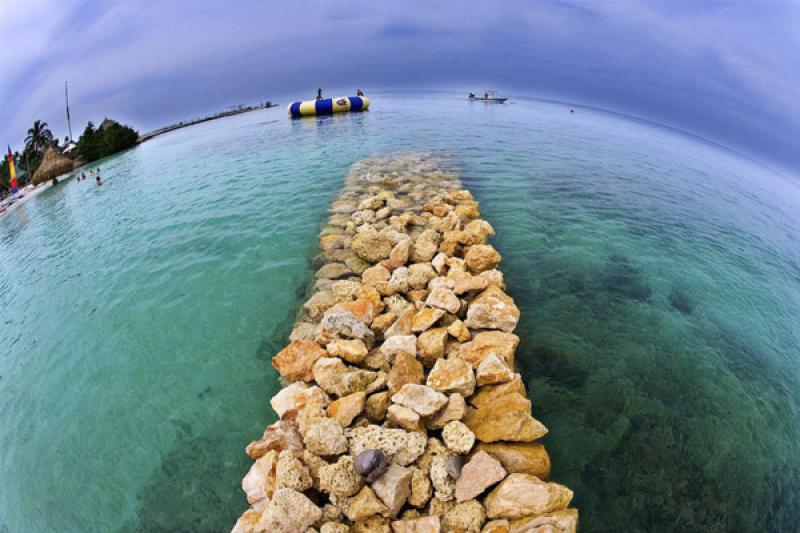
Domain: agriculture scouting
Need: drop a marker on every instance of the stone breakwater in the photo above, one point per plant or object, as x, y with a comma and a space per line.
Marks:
402, 411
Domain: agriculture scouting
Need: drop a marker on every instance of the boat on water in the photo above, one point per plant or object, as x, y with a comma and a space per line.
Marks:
328, 106
488, 96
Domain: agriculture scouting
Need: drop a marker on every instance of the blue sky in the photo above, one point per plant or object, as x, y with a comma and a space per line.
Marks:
728, 71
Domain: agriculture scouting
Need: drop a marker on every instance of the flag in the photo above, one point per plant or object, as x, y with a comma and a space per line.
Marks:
12, 171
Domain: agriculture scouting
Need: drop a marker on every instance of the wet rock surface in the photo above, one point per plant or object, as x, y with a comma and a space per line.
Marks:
402, 410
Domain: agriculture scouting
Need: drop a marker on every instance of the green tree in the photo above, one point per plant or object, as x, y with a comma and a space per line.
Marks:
89, 144
39, 137
118, 137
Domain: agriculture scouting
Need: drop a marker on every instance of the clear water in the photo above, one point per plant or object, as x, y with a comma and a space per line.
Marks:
658, 276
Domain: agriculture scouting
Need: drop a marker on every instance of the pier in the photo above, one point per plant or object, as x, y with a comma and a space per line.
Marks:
402, 409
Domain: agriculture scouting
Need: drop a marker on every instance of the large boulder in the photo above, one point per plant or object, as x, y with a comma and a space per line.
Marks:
372, 246
492, 309
486, 343
480, 473
507, 418
520, 457
289, 511
421, 398
521, 495
295, 362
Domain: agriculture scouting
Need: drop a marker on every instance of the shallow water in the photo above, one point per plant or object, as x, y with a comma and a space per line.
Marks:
658, 277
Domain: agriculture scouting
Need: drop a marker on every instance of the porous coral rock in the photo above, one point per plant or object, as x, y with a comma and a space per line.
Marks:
334, 527
324, 437
334, 377
458, 437
423, 524
399, 446
455, 409
419, 274
372, 246
289, 511
440, 476
481, 257
465, 517
340, 478
291, 473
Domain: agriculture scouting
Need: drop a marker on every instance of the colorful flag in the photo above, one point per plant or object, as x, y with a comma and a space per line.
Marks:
12, 171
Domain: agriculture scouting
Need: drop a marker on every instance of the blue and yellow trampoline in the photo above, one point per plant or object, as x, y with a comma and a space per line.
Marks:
328, 106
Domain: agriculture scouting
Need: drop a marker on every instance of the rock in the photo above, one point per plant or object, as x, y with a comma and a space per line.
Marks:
423, 250
400, 343
333, 271
492, 309
289, 511
459, 331
292, 399
492, 371
466, 517
296, 360
371, 464
480, 473
325, 437
356, 264
373, 524
506, 418
401, 326
435, 448
419, 274
247, 522
363, 505
562, 521
399, 254
302, 331
372, 246
444, 298
314, 464
488, 393
494, 277
421, 490
524, 458
259, 482
282, 435
406, 369
378, 405
486, 343
333, 527
352, 351
455, 409
381, 323
470, 284
362, 309
393, 488
318, 304
521, 495
431, 345
421, 398
425, 318
291, 473
399, 446
399, 281
340, 478
379, 383
334, 377
443, 482
458, 437
338, 323
425, 524
452, 375
496, 526
404, 417
481, 257
346, 408
345, 290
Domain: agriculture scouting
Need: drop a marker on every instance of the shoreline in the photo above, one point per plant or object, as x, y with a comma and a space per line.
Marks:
36, 191
402, 409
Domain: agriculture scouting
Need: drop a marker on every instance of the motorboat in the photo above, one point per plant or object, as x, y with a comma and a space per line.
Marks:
488, 96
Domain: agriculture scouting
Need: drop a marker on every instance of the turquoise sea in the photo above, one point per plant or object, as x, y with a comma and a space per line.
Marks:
658, 277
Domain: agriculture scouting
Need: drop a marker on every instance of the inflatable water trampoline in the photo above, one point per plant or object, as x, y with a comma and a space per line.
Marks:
328, 106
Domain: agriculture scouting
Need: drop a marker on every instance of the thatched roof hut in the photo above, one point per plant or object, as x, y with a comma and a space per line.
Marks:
53, 164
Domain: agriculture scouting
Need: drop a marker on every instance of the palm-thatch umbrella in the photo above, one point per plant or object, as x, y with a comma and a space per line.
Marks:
53, 164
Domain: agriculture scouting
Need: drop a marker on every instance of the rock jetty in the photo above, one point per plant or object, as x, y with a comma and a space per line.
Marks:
402, 411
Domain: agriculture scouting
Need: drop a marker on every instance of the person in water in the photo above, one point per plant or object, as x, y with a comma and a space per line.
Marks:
98, 180
471, 95
359, 92
486, 95
319, 94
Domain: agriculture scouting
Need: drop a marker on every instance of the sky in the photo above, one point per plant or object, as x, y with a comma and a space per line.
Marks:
727, 71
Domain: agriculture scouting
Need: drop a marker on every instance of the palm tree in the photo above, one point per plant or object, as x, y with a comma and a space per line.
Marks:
39, 137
